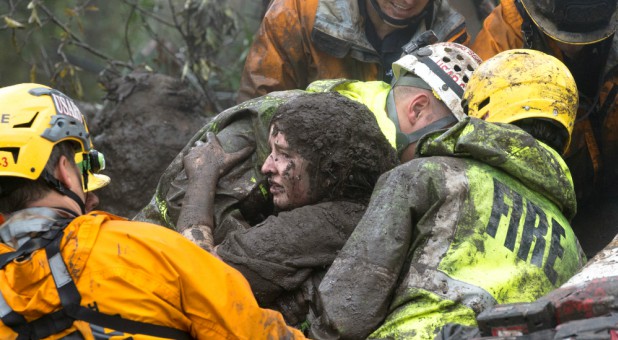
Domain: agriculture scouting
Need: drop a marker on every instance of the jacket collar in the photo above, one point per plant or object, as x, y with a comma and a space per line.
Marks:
339, 28
23, 224
510, 149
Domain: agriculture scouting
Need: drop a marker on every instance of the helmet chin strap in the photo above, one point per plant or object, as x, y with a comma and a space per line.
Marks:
405, 139
61, 188
398, 23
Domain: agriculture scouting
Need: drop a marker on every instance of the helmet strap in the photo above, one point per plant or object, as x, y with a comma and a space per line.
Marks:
405, 139
398, 23
62, 189
434, 126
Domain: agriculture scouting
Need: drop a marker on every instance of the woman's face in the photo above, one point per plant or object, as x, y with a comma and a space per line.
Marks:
287, 174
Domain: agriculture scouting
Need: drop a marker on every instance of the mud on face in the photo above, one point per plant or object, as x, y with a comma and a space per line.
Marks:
287, 174
340, 139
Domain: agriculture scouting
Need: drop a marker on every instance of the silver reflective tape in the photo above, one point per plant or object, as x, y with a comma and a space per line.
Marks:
4, 307
59, 270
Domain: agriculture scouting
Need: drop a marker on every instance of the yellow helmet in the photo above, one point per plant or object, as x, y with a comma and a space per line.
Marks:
519, 84
34, 118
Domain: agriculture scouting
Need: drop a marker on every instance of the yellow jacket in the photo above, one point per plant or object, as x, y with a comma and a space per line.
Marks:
145, 273
593, 153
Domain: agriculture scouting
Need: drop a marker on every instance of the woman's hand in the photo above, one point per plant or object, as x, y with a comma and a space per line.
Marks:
211, 157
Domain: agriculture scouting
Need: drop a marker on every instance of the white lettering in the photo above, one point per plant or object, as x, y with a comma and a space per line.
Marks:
66, 106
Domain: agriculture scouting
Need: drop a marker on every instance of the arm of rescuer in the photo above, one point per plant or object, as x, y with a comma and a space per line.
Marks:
215, 297
355, 295
501, 31
204, 164
277, 59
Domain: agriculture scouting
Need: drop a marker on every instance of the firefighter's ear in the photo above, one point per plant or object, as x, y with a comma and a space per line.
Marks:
418, 104
67, 173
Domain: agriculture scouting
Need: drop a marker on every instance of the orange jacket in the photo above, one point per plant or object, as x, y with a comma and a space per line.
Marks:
142, 272
300, 41
593, 153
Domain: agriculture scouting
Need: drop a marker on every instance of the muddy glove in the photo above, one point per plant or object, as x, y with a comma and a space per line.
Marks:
211, 157
204, 164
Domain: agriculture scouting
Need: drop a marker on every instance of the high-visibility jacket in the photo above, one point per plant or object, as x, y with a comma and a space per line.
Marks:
242, 195
136, 271
300, 41
479, 217
593, 153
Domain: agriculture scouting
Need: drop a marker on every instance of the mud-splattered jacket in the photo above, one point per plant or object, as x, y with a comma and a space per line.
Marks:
593, 153
481, 217
286, 255
139, 271
300, 41
282, 256
242, 198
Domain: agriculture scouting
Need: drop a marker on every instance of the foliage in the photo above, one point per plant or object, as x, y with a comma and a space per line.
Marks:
75, 44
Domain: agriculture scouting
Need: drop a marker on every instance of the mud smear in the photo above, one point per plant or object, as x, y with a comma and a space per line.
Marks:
145, 121
340, 138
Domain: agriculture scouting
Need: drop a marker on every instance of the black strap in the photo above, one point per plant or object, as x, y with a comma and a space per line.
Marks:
61, 188
70, 298
438, 71
17, 323
49, 324
609, 100
527, 28
35, 244
129, 326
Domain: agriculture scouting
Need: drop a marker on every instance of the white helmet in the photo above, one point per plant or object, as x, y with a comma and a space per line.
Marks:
443, 68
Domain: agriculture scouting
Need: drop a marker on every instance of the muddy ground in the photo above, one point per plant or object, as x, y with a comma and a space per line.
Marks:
145, 121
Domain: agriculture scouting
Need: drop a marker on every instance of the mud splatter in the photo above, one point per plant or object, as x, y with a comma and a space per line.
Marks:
345, 148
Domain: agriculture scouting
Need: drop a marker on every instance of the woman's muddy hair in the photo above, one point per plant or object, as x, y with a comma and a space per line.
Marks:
341, 139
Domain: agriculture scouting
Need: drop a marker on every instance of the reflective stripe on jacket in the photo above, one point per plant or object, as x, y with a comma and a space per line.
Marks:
480, 218
141, 272
300, 41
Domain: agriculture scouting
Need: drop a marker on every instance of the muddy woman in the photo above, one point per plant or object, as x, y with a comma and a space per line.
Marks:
327, 153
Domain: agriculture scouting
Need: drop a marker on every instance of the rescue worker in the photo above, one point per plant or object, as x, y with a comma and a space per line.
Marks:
299, 42
242, 196
327, 152
582, 35
274, 250
70, 274
478, 215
